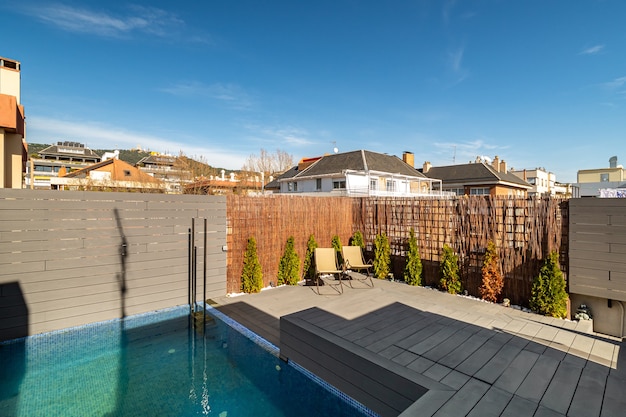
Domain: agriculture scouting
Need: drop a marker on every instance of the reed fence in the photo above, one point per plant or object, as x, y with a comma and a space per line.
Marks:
524, 231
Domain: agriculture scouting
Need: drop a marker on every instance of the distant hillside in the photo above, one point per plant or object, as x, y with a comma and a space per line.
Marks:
132, 156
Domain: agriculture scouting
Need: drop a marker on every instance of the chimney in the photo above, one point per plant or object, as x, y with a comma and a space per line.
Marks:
496, 163
503, 166
426, 167
409, 158
525, 178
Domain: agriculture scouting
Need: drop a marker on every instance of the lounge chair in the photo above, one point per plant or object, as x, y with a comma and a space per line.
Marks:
326, 269
353, 261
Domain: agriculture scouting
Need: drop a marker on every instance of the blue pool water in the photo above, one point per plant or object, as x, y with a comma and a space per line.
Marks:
158, 365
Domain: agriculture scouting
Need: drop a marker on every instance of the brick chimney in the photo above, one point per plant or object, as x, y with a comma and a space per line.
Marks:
496, 163
503, 167
409, 158
426, 167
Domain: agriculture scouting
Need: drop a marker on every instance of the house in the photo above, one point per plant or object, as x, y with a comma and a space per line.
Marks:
543, 183
603, 182
13, 146
65, 155
109, 175
479, 178
172, 170
358, 173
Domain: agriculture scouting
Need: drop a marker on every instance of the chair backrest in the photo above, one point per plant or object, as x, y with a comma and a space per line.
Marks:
325, 259
352, 255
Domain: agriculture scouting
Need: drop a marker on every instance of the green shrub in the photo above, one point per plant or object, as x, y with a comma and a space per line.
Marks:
382, 256
251, 276
357, 240
289, 266
309, 259
336, 243
493, 281
548, 294
449, 271
413, 268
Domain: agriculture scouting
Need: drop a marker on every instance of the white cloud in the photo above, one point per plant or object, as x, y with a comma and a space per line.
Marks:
147, 20
231, 94
593, 50
455, 62
616, 83
100, 136
282, 135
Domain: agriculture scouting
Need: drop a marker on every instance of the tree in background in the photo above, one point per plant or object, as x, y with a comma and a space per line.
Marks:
413, 268
357, 240
289, 266
269, 163
336, 244
548, 294
449, 271
382, 256
493, 281
251, 276
309, 259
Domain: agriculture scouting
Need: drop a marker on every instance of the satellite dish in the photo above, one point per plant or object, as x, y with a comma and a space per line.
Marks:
335, 149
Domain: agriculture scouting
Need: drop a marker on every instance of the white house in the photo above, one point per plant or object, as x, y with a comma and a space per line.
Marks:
358, 173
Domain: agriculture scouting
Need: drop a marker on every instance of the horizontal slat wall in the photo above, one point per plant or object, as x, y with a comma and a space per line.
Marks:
598, 248
61, 262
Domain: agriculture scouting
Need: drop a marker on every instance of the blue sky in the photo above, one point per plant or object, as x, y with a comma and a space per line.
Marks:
538, 83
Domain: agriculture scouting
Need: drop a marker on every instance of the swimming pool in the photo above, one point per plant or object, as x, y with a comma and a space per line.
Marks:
157, 364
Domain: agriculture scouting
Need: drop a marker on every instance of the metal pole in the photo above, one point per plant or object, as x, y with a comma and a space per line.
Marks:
204, 281
189, 267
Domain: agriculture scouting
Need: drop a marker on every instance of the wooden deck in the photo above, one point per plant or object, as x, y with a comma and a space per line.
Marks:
459, 356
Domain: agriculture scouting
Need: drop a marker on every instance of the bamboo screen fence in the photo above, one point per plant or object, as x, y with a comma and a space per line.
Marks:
524, 230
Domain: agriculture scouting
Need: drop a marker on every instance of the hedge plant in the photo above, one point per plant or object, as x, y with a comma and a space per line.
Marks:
357, 240
252, 275
413, 268
548, 294
449, 271
336, 244
493, 281
382, 256
289, 266
308, 269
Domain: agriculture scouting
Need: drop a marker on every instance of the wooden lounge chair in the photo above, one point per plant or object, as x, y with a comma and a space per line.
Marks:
327, 271
353, 261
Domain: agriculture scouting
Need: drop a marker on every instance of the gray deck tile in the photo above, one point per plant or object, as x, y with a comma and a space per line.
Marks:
519, 407
563, 340
391, 352
497, 364
492, 404
455, 379
559, 393
614, 403
405, 357
535, 347
437, 372
530, 330
480, 357
546, 412
420, 364
546, 335
587, 399
428, 404
602, 352
464, 400
538, 379
433, 340
450, 344
581, 346
420, 335
516, 372
462, 352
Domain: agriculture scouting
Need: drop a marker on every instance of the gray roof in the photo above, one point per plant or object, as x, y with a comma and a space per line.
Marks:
360, 160
475, 173
69, 149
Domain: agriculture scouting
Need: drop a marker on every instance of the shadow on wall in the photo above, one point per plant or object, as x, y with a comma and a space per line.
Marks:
14, 324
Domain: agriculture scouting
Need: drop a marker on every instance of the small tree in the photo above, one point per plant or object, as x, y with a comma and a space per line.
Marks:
493, 281
336, 243
413, 268
548, 294
382, 256
251, 276
289, 266
449, 271
357, 240
309, 259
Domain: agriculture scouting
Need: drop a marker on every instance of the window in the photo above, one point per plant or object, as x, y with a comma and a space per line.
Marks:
339, 185
458, 191
127, 173
391, 186
373, 185
318, 184
604, 177
295, 186
479, 191
290, 186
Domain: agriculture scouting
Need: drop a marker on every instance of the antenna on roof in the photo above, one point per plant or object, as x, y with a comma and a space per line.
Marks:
454, 155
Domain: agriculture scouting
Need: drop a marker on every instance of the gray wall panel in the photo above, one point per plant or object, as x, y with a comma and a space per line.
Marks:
60, 262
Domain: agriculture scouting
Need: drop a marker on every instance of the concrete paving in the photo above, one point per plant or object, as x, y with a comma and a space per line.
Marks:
498, 361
